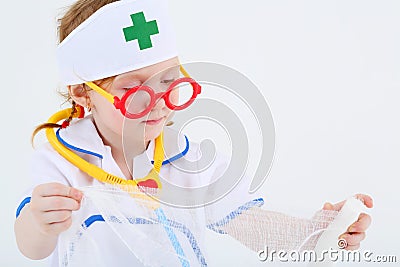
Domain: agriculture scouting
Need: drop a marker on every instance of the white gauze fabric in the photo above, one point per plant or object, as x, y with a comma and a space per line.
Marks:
125, 223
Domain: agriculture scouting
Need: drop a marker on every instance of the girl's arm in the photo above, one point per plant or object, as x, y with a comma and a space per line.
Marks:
44, 218
257, 228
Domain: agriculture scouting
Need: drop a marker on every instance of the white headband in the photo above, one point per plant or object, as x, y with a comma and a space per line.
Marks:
122, 36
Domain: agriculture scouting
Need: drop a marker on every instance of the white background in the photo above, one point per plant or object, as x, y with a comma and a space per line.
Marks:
330, 71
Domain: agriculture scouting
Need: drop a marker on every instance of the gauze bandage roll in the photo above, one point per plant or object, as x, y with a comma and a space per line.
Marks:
329, 240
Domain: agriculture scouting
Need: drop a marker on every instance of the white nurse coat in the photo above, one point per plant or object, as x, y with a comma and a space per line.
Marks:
82, 137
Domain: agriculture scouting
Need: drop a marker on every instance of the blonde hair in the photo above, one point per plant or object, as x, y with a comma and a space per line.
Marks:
76, 15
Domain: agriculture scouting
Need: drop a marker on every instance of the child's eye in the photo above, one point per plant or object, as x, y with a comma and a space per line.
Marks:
168, 81
131, 87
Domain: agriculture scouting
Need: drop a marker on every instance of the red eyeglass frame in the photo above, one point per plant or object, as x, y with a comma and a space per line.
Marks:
154, 97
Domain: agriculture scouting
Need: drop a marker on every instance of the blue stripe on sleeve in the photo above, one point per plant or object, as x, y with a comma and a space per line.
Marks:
22, 205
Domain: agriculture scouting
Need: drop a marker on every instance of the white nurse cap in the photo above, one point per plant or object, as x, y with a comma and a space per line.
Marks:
122, 36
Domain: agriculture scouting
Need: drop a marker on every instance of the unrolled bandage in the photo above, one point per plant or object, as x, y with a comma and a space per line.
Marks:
131, 220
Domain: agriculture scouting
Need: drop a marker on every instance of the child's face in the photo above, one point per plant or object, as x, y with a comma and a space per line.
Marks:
112, 124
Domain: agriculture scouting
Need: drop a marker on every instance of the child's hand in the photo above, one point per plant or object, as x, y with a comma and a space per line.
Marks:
356, 231
52, 205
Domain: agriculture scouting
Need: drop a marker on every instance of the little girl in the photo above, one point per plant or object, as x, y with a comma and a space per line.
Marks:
119, 61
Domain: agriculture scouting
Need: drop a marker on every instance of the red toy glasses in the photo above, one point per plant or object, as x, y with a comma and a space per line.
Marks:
138, 101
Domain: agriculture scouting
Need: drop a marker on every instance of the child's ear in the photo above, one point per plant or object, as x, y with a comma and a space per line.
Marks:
79, 94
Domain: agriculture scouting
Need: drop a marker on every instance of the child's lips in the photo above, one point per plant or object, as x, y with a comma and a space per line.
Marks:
153, 122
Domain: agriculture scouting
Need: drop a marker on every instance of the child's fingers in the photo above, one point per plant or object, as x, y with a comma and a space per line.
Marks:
353, 239
51, 189
361, 225
356, 232
57, 227
52, 217
56, 203
57, 189
367, 200
337, 206
75, 194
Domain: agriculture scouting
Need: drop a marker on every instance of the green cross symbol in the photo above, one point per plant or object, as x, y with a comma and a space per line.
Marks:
141, 30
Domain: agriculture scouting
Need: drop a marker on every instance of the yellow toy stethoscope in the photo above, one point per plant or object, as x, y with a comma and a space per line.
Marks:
96, 172
93, 170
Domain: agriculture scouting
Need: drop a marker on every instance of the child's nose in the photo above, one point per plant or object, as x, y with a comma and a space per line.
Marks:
160, 103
